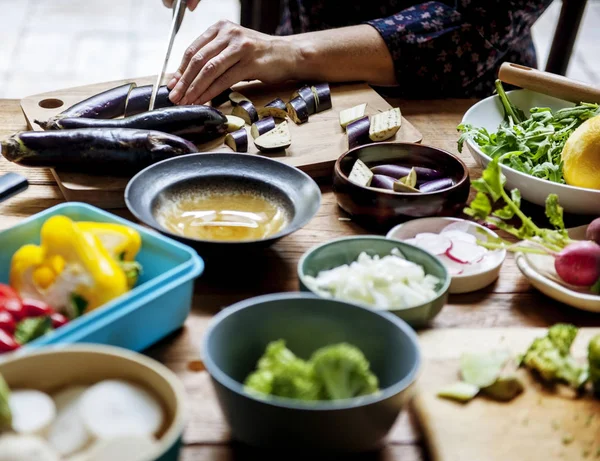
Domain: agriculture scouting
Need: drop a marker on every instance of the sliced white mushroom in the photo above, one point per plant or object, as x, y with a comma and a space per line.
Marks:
113, 408
22, 447
32, 411
68, 434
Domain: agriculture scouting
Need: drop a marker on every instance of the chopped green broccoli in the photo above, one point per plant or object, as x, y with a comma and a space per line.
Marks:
334, 372
281, 373
550, 357
594, 362
344, 371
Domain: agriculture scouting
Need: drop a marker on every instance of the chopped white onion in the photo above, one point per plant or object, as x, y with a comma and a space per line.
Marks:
390, 282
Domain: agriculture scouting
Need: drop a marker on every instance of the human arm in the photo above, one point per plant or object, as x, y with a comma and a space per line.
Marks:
228, 53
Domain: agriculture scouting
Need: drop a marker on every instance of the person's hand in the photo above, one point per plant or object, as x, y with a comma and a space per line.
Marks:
192, 4
225, 55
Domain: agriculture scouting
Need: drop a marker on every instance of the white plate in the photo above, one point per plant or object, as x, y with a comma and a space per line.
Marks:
539, 270
489, 113
464, 283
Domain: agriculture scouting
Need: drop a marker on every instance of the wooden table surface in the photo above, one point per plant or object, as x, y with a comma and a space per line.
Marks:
510, 302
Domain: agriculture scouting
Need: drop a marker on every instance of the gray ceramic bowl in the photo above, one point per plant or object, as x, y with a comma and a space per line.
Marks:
346, 250
158, 184
237, 338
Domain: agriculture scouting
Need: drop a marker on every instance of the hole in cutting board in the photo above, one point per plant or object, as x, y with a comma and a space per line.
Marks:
51, 103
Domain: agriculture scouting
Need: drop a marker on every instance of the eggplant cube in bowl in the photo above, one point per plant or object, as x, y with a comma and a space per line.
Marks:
489, 114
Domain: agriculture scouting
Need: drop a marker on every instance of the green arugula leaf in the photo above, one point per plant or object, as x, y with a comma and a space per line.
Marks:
554, 212
480, 207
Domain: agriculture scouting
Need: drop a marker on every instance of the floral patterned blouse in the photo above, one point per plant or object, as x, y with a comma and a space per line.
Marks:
440, 48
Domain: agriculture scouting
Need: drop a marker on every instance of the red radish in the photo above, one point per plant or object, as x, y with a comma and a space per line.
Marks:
454, 268
35, 308
14, 307
434, 243
593, 231
7, 342
459, 235
465, 252
579, 263
7, 323
58, 320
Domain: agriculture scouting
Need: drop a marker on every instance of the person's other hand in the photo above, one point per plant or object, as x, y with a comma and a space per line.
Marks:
192, 4
225, 55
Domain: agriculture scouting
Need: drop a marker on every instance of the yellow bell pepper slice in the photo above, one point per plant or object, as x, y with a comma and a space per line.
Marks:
66, 247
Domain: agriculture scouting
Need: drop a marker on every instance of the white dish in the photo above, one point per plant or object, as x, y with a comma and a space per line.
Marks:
489, 113
462, 283
539, 270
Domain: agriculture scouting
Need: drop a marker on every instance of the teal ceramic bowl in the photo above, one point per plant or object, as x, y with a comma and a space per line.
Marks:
237, 338
346, 250
52, 368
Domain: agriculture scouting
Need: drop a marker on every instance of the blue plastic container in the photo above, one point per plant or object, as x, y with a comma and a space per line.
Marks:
157, 305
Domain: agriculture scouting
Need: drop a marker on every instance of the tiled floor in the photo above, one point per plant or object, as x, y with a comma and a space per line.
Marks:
51, 44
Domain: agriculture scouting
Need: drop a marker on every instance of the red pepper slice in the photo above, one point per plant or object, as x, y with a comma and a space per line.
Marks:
7, 322
7, 342
36, 308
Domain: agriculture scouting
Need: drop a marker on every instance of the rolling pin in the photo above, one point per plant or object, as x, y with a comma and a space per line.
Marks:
549, 84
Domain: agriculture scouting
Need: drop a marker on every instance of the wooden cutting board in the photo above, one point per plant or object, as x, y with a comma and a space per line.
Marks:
536, 426
316, 145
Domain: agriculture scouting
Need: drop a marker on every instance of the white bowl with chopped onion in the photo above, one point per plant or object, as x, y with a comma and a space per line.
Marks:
454, 241
378, 273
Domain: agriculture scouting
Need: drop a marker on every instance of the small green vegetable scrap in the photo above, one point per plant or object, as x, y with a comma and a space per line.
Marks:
530, 145
550, 358
459, 391
32, 328
594, 363
5, 413
333, 372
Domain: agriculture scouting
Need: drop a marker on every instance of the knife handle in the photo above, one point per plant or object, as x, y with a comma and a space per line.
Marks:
547, 83
12, 184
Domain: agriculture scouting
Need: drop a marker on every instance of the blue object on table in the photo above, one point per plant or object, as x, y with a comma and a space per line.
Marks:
158, 304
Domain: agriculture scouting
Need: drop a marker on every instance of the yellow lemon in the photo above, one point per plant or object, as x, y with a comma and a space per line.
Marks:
581, 155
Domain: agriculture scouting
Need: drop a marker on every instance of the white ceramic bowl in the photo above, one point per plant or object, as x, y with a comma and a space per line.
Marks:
539, 270
489, 113
463, 283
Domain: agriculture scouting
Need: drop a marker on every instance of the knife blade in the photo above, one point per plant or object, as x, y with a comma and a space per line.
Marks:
179, 8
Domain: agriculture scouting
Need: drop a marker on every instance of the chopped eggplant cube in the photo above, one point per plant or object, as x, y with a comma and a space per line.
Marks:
309, 98
262, 126
348, 116
358, 132
246, 111
322, 94
361, 174
275, 140
238, 140
297, 110
385, 125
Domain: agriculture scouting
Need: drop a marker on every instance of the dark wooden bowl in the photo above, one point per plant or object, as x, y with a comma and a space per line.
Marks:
380, 208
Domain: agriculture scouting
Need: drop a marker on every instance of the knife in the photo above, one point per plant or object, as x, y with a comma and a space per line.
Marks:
179, 8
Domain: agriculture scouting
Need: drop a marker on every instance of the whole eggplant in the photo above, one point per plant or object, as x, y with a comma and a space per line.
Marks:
115, 151
195, 123
108, 104
139, 99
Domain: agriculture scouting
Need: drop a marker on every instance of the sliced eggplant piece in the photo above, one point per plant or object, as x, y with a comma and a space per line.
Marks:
237, 98
436, 185
380, 181
361, 174
297, 110
262, 126
234, 123
275, 140
108, 104
399, 186
222, 98
275, 108
322, 94
195, 123
238, 140
116, 151
410, 179
358, 133
399, 171
309, 98
247, 111
348, 116
139, 100
385, 125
